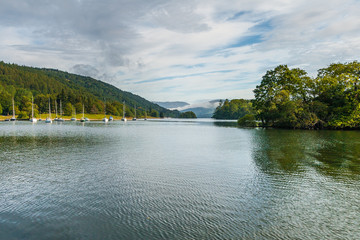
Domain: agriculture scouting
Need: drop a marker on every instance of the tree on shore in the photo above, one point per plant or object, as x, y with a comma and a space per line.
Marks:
188, 114
291, 99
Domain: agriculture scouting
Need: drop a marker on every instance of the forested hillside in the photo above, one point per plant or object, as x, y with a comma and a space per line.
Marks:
21, 83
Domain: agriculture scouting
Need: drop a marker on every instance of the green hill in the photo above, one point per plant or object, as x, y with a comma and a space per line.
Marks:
21, 83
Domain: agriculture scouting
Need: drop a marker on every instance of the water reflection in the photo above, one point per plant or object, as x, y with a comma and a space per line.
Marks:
332, 153
177, 180
225, 123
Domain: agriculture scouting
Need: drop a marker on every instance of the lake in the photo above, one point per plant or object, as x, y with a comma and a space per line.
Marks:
175, 179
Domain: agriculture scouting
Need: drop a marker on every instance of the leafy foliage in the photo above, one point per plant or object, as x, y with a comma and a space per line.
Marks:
248, 120
233, 109
74, 91
289, 98
188, 114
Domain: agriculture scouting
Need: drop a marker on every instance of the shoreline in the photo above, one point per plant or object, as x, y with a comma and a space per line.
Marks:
68, 118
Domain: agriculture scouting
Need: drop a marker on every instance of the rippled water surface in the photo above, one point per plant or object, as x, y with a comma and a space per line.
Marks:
177, 180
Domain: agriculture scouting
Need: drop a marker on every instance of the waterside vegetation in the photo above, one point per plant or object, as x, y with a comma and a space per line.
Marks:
21, 83
188, 114
289, 98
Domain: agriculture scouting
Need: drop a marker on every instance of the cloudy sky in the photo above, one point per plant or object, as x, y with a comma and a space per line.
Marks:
179, 50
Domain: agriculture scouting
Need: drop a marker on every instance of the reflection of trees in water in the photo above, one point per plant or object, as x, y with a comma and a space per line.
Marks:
334, 153
226, 124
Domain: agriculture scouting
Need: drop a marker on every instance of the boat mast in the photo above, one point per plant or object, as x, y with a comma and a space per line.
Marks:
13, 108
56, 109
124, 109
32, 106
49, 109
60, 109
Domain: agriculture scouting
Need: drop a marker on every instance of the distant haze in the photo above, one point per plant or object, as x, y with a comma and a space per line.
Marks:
172, 105
204, 109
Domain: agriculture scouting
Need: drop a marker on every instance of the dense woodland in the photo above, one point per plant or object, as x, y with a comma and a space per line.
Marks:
21, 83
289, 98
234, 109
188, 114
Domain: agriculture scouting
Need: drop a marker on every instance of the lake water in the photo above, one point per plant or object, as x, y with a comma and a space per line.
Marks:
177, 180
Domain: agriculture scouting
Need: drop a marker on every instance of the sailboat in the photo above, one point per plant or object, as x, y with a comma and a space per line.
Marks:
13, 118
105, 118
48, 119
56, 115
60, 119
32, 119
123, 118
134, 119
145, 115
84, 119
74, 118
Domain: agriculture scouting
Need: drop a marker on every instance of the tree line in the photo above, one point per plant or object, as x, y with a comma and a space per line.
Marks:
233, 109
21, 83
290, 98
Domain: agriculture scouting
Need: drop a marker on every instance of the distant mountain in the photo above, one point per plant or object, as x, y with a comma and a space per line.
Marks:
172, 105
201, 112
204, 109
21, 83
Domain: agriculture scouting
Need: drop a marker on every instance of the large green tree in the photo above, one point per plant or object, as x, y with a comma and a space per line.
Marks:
282, 98
289, 98
337, 88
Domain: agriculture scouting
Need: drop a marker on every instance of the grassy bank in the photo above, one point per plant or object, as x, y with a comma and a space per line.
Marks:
92, 117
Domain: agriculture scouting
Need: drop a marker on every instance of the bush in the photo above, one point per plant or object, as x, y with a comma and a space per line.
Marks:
247, 121
23, 115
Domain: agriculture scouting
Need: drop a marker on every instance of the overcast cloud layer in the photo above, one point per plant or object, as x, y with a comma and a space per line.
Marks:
179, 50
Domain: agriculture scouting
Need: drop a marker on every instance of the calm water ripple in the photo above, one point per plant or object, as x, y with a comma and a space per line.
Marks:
177, 180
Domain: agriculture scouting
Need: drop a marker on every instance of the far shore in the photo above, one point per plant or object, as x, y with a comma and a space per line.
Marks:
91, 117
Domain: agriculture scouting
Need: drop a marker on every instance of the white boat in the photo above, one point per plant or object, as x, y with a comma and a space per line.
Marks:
13, 118
123, 118
74, 118
56, 113
48, 119
32, 119
111, 118
134, 119
60, 119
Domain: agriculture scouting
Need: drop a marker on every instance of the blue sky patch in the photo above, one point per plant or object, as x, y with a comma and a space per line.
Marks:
183, 76
248, 40
237, 15
264, 26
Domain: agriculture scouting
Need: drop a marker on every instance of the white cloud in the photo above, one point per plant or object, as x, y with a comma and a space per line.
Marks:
180, 50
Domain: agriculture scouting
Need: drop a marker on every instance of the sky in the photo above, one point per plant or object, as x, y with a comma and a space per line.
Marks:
179, 50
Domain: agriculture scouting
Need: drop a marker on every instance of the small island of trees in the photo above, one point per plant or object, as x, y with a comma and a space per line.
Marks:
189, 114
